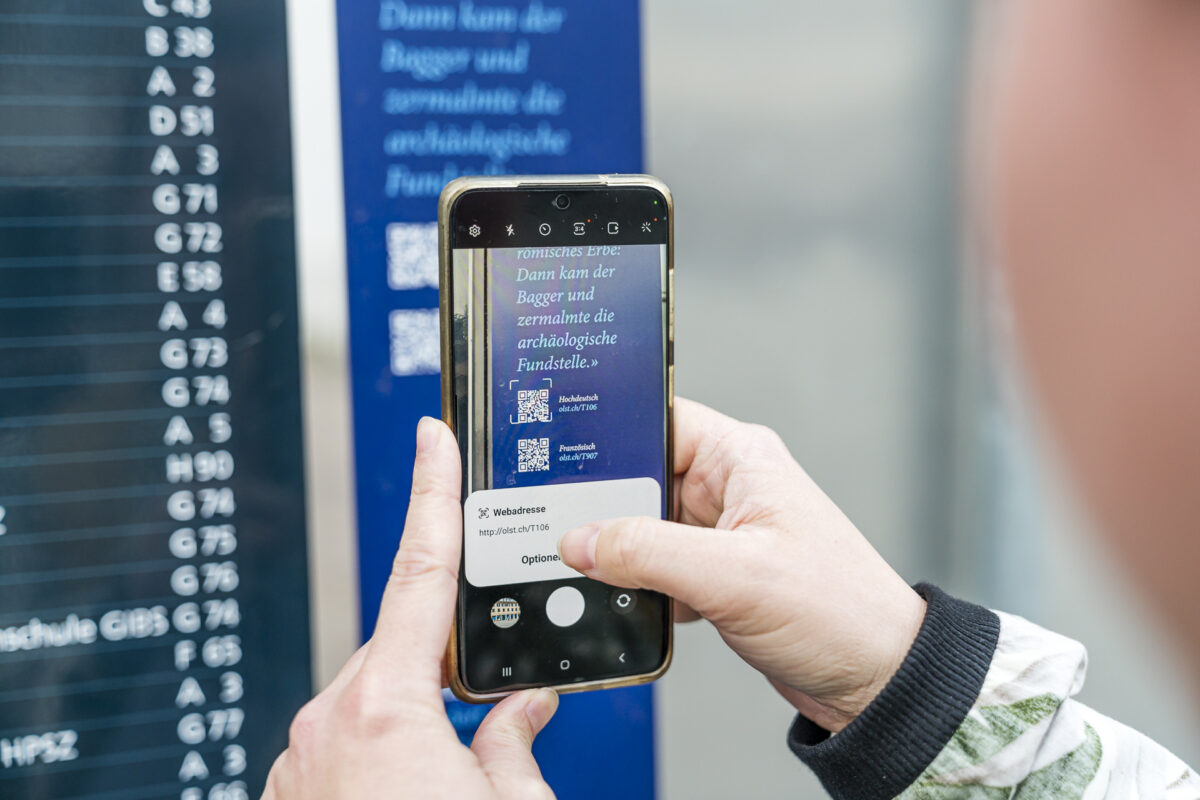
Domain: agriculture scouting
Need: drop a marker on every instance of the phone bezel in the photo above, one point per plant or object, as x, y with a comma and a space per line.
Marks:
450, 195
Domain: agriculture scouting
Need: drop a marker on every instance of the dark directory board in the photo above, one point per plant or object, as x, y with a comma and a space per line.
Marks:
154, 626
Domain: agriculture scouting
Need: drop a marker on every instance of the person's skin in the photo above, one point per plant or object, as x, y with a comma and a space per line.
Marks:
761, 553
1092, 204
1091, 201
380, 729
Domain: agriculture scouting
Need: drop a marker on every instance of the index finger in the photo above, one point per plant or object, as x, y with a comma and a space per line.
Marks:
417, 609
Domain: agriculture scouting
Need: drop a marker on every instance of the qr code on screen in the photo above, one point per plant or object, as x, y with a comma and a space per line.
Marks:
412, 257
533, 405
533, 455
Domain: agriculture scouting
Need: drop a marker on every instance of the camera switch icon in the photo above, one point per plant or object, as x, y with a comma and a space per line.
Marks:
622, 601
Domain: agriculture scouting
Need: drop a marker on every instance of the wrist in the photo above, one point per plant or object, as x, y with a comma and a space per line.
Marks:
892, 637
899, 733
899, 632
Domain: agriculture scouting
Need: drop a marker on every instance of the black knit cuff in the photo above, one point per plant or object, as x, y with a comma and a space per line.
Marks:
887, 747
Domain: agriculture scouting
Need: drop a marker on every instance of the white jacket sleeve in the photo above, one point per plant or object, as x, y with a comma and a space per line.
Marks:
1027, 738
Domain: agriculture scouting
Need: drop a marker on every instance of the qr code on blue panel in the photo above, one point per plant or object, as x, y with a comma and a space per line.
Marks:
412, 255
533, 455
533, 405
416, 341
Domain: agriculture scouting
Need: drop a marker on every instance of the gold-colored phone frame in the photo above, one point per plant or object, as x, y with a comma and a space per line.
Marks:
450, 195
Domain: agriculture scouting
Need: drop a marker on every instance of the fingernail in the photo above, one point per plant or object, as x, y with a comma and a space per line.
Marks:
541, 707
578, 547
427, 434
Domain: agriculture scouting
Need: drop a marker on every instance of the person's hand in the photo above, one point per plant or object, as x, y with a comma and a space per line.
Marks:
380, 729
763, 554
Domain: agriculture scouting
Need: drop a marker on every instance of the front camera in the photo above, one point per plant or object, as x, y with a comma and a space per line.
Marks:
562, 202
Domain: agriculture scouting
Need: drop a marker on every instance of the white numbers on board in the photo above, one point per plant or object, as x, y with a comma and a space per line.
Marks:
220, 429
186, 505
191, 198
207, 159
202, 351
181, 42
199, 467
206, 541
221, 651
193, 9
214, 314
231, 687
190, 277
218, 724
192, 237
208, 578
202, 390
204, 537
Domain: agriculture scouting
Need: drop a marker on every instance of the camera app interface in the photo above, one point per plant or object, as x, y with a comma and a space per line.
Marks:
576, 403
570, 361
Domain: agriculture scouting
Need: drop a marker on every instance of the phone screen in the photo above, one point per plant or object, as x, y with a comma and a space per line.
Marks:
561, 356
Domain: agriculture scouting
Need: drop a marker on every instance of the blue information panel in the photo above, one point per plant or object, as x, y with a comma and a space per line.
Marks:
431, 92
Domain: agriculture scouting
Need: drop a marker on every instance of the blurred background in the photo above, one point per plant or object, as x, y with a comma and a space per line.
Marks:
826, 288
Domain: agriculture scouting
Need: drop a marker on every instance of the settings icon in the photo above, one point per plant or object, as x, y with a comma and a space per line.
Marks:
474, 230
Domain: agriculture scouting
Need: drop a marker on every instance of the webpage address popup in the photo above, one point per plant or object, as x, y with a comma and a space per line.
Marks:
511, 535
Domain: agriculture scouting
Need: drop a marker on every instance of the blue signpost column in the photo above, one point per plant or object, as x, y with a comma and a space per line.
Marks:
431, 92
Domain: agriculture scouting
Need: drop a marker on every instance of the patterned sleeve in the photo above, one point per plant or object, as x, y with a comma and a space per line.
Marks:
1027, 738
983, 708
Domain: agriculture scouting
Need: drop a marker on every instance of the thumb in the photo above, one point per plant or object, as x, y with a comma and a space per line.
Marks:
502, 743
691, 564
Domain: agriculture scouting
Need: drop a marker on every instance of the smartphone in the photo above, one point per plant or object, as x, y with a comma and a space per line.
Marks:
557, 328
